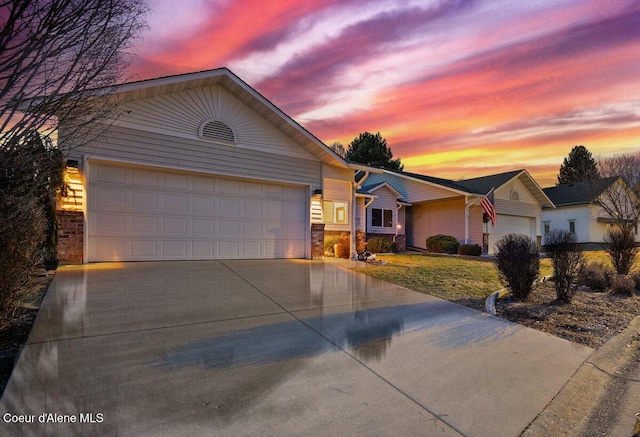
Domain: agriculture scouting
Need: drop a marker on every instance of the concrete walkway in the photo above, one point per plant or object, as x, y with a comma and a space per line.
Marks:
272, 347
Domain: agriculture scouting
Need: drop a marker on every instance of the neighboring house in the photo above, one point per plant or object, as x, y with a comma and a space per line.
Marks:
201, 166
577, 209
414, 207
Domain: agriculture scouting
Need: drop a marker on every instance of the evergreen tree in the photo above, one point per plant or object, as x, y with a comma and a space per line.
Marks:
578, 166
370, 149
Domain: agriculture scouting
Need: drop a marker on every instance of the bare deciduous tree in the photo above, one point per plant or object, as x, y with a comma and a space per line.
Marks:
57, 59
621, 202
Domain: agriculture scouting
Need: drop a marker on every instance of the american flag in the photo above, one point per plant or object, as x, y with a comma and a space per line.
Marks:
489, 205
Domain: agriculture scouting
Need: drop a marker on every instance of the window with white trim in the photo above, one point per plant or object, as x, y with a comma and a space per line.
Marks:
382, 218
572, 226
335, 212
547, 228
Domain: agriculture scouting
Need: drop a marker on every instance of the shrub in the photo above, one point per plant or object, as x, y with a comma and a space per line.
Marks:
22, 230
329, 244
636, 280
596, 276
442, 244
344, 247
470, 249
518, 263
623, 284
380, 245
621, 246
565, 254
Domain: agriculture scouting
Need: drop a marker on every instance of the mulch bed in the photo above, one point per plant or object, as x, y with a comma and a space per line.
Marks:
591, 318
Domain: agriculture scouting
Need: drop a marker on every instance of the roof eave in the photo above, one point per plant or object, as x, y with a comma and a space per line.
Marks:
432, 184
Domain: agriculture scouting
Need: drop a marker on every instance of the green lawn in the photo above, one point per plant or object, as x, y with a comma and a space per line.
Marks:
467, 281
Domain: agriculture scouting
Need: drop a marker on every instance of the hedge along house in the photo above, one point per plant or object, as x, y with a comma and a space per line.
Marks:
578, 210
201, 166
420, 206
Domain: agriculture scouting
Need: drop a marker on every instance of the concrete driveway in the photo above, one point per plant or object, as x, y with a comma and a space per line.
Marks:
272, 347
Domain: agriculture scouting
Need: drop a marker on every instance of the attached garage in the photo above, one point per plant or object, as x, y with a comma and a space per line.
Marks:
511, 224
145, 213
198, 166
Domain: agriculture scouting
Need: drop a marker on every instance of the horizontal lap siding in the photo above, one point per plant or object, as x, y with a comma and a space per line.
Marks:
446, 217
411, 190
149, 148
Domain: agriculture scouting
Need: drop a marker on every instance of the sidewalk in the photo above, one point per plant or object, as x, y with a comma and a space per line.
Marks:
603, 395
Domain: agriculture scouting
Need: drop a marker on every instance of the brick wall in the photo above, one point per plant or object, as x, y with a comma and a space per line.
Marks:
71, 237
317, 241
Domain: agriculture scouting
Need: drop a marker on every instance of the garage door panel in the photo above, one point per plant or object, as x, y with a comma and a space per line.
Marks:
146, 214
174, 225
144, 225
203, 249
229, 207
228, 186
202, 227
252, 228
144, 249
228, 228
110, 174
111, 198
228, 249
108, 224
174, 203
252, 208
176, 181
203, 205
144, 201
148, 178
174, 249
106, 249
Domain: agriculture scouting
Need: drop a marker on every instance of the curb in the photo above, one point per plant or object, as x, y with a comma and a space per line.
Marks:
572, 411
490, 303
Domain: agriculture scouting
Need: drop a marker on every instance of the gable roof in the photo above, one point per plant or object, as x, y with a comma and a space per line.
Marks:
484, 184
374, 187
579, 193
147, 88
480, 186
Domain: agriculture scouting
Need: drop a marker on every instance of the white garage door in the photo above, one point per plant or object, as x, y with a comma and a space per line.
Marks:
510, 224
136, 213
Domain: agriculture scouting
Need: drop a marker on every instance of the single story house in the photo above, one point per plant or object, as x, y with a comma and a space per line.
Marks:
408, 208
202, 166
578, 209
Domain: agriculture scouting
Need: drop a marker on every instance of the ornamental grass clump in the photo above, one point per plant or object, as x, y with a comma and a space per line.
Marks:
518, 263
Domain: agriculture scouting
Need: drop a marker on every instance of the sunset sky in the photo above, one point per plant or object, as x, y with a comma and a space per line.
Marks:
459, 88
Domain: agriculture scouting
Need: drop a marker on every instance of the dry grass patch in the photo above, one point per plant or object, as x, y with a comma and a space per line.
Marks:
591, 318
467, 281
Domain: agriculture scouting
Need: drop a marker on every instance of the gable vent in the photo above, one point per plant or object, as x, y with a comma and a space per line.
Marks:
217, 130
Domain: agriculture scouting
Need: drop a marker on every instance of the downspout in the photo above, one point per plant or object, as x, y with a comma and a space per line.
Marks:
466, 219
397, 220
